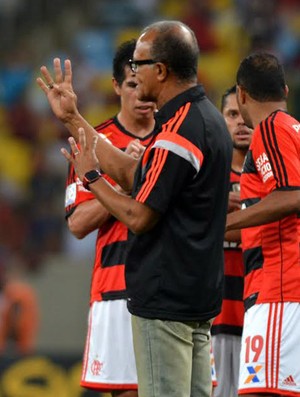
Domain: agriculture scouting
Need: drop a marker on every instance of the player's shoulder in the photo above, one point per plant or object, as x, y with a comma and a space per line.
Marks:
110, 130
286, 126
113, 132
106, 125
283, 119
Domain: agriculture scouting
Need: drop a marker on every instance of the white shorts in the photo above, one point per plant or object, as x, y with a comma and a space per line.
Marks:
270, 353
109, 362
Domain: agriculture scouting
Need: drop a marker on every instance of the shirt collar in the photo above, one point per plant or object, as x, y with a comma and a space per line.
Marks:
171, 107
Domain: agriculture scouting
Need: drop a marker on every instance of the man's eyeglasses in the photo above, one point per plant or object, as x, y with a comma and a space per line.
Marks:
134, 64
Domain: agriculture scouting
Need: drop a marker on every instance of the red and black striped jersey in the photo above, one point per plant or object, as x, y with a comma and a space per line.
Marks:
230, 320
108, 281
271, 251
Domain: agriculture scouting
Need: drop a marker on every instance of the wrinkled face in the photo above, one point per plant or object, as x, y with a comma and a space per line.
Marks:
240, 134
129, 97
146, 73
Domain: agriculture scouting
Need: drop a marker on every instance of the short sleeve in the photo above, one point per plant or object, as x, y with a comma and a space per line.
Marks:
162, 183
275, 153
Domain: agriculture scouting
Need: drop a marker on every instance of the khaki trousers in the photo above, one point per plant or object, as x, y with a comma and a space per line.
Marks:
172, 358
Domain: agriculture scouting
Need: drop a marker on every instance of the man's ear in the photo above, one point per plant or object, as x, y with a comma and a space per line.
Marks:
162, 71
116, 86
286, 91
241, 94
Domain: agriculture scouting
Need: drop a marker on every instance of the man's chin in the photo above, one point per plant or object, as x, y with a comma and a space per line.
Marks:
241, 146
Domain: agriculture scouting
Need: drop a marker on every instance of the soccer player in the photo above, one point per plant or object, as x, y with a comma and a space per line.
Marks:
270, 218
109, 364
227, 326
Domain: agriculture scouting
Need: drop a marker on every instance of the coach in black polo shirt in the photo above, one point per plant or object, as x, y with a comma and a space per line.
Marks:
174, 269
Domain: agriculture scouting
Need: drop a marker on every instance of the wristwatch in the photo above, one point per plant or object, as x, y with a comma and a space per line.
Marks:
90, 177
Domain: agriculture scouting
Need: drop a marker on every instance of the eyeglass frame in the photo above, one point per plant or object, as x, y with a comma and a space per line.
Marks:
134, 64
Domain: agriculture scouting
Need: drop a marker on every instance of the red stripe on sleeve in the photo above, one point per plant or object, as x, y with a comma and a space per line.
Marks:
160, 155
273, 152
159, 160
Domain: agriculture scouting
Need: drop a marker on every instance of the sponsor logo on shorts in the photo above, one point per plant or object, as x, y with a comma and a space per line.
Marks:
96, 367
289, 381
253, 371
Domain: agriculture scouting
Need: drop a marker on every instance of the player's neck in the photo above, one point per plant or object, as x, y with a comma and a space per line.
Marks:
139, 128
238, 158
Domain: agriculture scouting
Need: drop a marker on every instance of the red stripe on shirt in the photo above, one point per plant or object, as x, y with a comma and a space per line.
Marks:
159, 160
160, 155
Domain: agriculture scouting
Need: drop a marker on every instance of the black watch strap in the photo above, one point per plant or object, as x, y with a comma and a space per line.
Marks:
90, 177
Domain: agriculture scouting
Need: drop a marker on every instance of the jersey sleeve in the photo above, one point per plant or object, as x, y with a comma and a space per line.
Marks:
276, 156
75, 192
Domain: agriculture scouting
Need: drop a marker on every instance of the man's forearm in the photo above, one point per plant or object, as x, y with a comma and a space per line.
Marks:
138, 217
272, 208
251, 216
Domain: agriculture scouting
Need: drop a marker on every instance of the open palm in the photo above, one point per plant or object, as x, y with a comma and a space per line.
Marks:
59, 90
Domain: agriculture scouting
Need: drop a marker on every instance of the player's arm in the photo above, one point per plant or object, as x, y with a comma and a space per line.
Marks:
234, 204
138, 217
91, 214
277, 205
233, 236
234, 201
87, 217
63, 101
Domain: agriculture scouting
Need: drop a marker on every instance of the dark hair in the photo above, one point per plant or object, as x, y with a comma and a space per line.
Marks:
178, 51
229, 91
262, 76
121, 59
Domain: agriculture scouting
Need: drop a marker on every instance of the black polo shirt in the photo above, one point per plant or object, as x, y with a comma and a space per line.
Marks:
175, 270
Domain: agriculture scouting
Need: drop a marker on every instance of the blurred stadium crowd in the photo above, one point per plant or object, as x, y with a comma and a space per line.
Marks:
33, 32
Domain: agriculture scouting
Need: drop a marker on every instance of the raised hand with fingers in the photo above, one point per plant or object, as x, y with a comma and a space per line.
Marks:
59, 90
83, 159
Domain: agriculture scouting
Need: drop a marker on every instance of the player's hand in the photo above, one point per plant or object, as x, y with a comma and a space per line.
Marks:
83, 159
59, 90
234, 201
135, 149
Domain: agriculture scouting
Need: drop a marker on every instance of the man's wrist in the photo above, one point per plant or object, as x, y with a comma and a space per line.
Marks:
91, 177
72, 121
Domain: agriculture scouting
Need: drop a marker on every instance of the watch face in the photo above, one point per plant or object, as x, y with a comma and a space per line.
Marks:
92, 175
